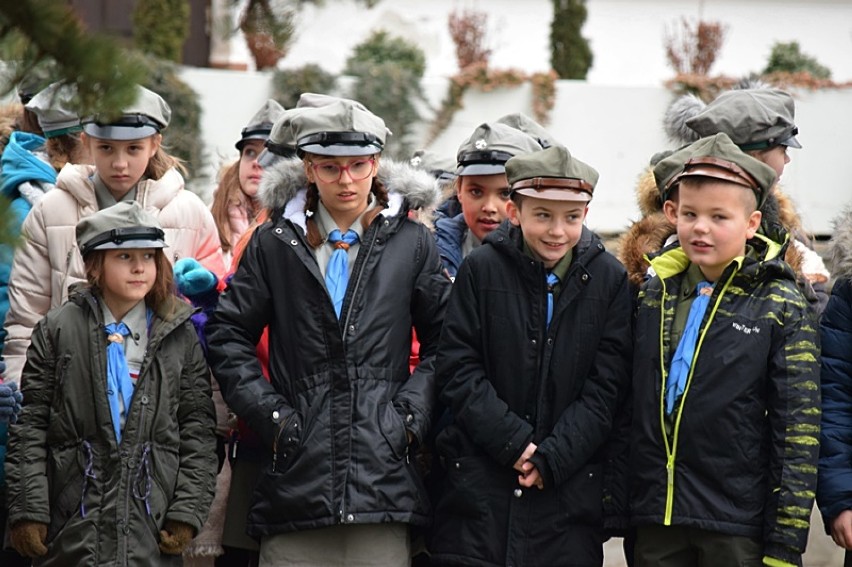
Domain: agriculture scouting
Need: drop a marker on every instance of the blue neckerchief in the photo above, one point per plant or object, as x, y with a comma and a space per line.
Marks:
685, 352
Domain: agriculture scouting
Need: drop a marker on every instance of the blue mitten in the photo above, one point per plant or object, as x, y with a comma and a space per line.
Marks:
10, 402
193, 279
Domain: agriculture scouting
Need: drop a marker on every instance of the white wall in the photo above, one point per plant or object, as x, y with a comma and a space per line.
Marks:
615, 129
626, 36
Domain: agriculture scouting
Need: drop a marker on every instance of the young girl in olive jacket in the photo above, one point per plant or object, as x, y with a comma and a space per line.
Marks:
113, 458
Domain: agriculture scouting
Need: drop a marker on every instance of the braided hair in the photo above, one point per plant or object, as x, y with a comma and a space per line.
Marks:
315, 239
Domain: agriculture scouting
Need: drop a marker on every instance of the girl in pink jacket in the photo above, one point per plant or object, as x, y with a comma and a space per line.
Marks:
130, 164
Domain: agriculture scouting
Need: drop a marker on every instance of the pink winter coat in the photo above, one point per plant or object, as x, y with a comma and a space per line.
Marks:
47, 261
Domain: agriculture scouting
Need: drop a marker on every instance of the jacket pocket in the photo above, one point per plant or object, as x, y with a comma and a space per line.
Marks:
287, 442
466, 486
581, 498
393, 429
66, 488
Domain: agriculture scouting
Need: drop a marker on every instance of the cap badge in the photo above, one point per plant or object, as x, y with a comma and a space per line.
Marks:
480, 144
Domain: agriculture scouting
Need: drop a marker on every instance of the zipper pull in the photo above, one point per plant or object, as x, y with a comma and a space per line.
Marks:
670, 473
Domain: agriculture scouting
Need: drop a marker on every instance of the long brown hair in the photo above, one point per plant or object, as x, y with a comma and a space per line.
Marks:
315, 239
228, 192
162, 296
161, 162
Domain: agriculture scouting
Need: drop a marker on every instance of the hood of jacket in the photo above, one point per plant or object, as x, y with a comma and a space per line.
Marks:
19, 163
768, 257
644, 237
152, 193
840, 247
283, 188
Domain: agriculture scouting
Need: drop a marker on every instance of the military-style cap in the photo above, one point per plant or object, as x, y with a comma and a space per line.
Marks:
522, 122
342, 128
441, 168
754, 119
551, 174
35, 81
282, 141
316, 100
123, 225
148, 114
719, 158
260, 125
490, 147
52, 107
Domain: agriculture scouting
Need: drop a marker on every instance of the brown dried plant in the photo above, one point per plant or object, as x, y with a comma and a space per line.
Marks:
468, 30
692, 48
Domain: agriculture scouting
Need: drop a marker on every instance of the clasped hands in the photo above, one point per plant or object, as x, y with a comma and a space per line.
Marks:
529, 476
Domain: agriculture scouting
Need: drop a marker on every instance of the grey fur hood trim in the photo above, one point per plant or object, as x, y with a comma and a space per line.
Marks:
840, 247
674, 121
284, 181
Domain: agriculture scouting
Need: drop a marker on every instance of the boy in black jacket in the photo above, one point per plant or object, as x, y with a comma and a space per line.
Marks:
726, 416
533, 356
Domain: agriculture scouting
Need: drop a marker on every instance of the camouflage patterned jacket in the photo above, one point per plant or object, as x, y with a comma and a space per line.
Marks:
740, 455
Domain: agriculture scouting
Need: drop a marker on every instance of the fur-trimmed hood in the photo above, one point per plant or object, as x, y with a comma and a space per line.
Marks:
283, 188
840, 247
647, 195
647, 235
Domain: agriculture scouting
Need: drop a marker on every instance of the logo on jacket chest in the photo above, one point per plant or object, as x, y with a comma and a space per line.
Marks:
745, 329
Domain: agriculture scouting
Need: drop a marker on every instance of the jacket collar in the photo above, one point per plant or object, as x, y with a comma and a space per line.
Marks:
283, 188
770, 254
508, 239
151, 193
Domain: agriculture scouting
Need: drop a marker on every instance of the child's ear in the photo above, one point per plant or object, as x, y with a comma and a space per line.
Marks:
670, 210
753, 223
309, 171
513, 212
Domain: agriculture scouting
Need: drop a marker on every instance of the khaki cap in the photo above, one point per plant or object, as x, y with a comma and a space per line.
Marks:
716, 157
551, 174
754, 119
282, 140
490, 147
53, 109
341, 128
441, 168
260, 125
522, 122
123, 225
148, 114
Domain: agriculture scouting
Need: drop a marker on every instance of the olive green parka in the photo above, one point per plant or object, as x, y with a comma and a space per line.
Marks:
104, 502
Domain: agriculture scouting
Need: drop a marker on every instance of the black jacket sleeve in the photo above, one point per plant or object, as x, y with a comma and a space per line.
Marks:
462, 382
232, 334
416, 398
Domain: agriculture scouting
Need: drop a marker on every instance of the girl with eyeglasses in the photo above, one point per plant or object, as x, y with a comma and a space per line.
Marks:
340, 275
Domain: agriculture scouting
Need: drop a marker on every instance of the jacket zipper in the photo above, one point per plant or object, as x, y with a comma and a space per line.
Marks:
671, 448
342, 510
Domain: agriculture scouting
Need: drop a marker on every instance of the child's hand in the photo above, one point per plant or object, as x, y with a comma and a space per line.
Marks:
528, 452
28, 538
175, 536
10, 402
191, 278
530, 477
841, 529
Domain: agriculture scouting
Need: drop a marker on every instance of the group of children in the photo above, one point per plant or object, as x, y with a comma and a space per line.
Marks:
560, 401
